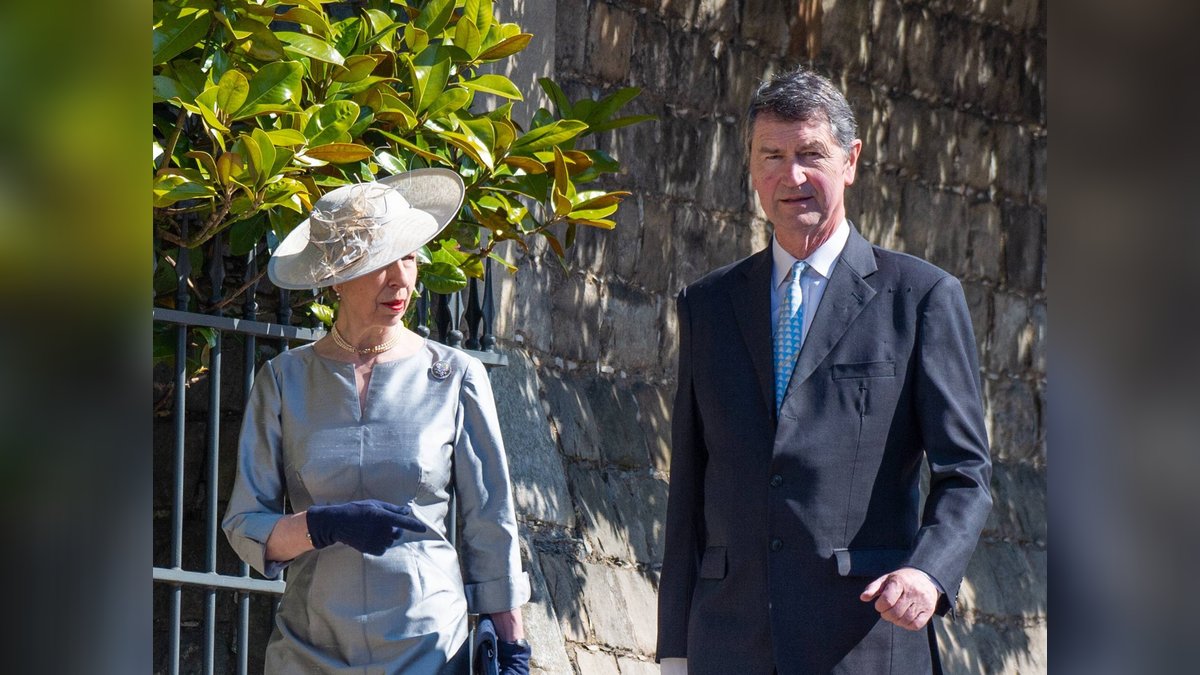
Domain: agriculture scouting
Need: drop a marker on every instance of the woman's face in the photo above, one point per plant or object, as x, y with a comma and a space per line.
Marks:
380, 297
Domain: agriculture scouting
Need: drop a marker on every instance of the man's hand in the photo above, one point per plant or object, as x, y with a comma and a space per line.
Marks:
906, 597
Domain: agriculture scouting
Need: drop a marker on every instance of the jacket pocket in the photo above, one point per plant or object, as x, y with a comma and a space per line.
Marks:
847, 371
712, 565
869, 562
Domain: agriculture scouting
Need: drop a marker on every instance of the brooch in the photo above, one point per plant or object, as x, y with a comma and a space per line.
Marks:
440, 370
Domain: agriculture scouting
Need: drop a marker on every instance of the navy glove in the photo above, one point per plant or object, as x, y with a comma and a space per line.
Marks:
369, 525
514, 657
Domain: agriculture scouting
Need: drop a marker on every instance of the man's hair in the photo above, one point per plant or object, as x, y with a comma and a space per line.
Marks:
801, 95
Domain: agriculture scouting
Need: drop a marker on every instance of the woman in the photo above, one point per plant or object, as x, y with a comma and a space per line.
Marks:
365, 433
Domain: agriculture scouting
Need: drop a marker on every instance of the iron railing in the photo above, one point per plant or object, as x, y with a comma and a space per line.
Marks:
463, 320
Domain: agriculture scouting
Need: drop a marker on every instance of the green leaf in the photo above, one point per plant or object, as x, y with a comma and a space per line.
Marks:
442, 278
602, 224
467, 36
619, 122
609, 105
357, 67
312, 47
416, 149
506, 47
511, 268
340, 153
430, 71
247, 147
451, 100
556, 95
171, 188
324, 313
166, 88
205, 160
331, 123
190, 77
481, 14
273, 85
245, 234
258, 40
392, 163
549, 135
266, 148
416, 39
471, 145
307, 17
286, 137
598, 199
494, 84
434, 15
232, 91
526, 164
179, 33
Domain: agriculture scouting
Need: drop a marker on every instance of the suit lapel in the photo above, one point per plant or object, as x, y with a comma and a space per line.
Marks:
844, 298
751, 300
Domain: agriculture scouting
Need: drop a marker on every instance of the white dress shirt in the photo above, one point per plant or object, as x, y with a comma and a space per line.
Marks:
815, 277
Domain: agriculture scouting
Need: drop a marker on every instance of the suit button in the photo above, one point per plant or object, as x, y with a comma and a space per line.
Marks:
776, 480
776, 544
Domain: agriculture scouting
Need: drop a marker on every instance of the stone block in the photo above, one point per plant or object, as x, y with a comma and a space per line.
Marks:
1011, 345
657, 245
767, 23
570, 34
1013, 418
951, 44
924, 40
564, 583
975, 161
610, 42
572, 416
595, 662
1006, 580
654, 417
652, 64
577, 297
615, 408
969, 648
606, 531
611, 623
1033, 81
848, 27
527, 313
642, 171
716, 16
874, 205
1024, 248
593, 251
640, 600
937, 150
669, 357
742, 71
934, 226
542, 626
538, 477
888, 27
631, 334
1037, 316
985, 241
689, 246
1039, 175
632, 666
1019, 503
724, 159
628, 238
1014, 160
979, 304
905, 134
683, 167
684, 10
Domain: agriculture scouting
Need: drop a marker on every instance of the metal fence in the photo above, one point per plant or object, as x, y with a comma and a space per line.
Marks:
194, 561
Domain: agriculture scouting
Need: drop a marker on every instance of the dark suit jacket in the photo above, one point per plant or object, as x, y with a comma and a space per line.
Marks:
776, 525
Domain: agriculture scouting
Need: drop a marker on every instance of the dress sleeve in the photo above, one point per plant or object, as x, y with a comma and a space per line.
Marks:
491, 556
257, 501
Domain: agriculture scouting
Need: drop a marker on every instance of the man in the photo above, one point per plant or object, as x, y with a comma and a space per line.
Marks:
814, 378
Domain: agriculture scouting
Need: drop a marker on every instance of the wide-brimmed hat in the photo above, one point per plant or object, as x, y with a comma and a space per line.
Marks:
356, 229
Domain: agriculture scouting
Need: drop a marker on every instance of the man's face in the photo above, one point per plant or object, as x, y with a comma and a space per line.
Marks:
800, 173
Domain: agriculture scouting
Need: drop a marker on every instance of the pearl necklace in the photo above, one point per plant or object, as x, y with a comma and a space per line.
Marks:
375, 349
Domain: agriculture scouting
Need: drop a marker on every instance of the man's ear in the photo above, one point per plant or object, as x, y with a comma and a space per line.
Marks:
852, 161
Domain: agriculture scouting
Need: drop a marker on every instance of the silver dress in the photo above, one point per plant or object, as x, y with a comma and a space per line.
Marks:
305, 439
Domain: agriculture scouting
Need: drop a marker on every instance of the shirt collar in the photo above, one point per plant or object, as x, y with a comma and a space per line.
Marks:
820, 260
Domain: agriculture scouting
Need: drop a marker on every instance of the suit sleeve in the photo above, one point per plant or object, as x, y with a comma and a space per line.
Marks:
950, 410
491, 555
257, 501
685, 504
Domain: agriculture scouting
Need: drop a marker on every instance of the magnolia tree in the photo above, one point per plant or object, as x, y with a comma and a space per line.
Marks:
261, 107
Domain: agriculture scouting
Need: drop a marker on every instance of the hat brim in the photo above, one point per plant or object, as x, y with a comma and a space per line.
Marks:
434, 197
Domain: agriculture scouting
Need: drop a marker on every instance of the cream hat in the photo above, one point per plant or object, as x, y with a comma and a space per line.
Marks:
359, 228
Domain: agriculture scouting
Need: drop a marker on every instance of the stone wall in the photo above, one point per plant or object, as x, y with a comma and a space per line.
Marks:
950, 97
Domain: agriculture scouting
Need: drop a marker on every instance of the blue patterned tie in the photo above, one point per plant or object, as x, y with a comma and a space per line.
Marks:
788, 331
